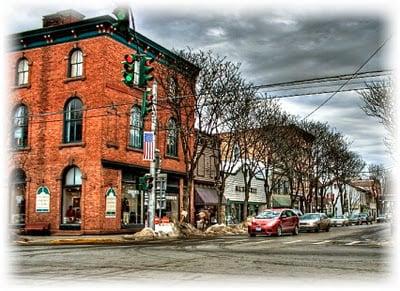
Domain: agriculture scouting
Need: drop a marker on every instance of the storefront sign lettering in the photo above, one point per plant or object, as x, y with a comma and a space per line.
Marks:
111, 203
43, 199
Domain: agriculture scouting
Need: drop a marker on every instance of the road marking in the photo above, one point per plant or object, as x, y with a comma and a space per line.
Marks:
238, 241
321, 242
293, 241
353, 243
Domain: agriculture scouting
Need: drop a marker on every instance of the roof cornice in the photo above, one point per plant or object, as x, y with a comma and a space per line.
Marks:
95, 27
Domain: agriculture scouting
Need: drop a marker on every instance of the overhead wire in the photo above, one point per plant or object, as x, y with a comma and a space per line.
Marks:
348, 80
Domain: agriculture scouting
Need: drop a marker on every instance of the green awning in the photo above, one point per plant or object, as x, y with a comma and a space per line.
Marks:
281, 201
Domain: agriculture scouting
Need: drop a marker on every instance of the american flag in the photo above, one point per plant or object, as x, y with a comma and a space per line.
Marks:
148, 147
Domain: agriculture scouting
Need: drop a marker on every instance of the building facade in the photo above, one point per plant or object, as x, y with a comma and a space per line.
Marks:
76, 133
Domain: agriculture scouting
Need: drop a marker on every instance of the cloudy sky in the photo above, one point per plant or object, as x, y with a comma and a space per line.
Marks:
273, 44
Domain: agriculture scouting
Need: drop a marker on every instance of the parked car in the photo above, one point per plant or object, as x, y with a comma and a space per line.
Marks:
355, 219
381, 218
339, 220
366, 218
298, 212
274, 222
314, 222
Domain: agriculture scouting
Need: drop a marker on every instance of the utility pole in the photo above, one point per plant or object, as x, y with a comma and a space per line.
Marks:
152, 195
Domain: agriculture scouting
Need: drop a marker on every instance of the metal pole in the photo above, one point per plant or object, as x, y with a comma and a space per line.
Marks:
152, 194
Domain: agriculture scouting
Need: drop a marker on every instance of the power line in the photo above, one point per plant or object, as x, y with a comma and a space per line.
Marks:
348, 80
334, 78
315, 93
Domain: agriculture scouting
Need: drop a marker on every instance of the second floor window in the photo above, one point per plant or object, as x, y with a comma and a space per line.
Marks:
136, 128
76, 64
20, 127
73, 121
22, 72
172, 138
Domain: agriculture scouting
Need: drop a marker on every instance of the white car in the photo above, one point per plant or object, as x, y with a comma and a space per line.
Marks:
339, 220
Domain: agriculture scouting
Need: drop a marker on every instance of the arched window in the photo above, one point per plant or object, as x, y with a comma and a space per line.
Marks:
75, 64
71, 199
22, 72
20, 127
172, 88
136, 128
172, 138
73, 121
18, 197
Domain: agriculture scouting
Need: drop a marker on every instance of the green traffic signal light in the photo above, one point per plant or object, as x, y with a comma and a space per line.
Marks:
142, 183
147, 102
149, 181
129, 63
122, 24
145, 70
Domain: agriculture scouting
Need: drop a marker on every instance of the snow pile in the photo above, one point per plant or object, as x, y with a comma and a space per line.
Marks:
186, 230
222, 229
145, 234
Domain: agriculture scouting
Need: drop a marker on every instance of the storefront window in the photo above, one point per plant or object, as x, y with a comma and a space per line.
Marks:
71, 200
132, 204
17, 199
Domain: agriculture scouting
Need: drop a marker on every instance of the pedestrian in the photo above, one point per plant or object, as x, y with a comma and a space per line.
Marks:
125, 211
70, 214
184, 214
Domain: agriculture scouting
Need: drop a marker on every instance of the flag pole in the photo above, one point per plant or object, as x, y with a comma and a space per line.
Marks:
153, 173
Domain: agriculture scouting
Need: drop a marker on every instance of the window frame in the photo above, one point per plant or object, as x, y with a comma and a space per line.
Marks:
75, 121
23, 71
75, 64
24, 127
172, 148
136, 127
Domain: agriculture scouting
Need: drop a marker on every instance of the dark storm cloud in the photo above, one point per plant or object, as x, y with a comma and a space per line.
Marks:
273, 45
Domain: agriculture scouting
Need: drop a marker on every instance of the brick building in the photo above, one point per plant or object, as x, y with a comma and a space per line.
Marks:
76, 133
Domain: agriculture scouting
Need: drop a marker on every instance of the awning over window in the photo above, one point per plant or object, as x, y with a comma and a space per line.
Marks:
207, 196
281, 201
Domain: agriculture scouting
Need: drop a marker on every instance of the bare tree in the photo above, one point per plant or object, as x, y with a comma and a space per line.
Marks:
204, 113
379, 103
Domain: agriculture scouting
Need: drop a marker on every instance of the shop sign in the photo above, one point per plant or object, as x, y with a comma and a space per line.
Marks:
43, 199
111, 203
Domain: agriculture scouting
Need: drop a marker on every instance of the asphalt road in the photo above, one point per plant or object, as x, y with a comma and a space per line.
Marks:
358, 254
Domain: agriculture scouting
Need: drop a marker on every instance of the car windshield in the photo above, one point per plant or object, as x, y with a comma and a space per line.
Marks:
268, 214
309, 216
354, 215
338, 217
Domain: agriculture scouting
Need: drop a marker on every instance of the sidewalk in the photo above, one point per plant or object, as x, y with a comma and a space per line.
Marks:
39, 240
181, 232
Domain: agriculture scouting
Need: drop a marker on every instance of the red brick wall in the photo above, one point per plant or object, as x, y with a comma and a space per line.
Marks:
45, 159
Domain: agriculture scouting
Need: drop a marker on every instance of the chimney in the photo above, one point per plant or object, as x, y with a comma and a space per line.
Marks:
62, 17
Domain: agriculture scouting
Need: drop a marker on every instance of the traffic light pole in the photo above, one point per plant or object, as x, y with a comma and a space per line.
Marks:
152, 194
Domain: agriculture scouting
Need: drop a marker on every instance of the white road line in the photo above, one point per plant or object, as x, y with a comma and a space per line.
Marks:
293, 241
238, 241
321, 242
353, 243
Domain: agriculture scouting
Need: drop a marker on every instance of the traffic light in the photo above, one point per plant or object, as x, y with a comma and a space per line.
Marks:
122, 24
149, 180
130, 75
145, 70
147, 102
142, 183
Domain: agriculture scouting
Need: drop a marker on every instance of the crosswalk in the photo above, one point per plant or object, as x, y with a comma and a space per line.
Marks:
260, 242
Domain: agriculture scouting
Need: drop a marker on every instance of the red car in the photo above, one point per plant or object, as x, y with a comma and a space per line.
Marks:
274, 222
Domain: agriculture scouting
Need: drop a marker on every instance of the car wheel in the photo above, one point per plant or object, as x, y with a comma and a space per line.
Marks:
296, 230
327, 229
317, 229
279, 231
252, 234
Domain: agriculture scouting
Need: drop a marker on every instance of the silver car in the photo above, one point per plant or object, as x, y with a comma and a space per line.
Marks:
314, 222
339, 220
